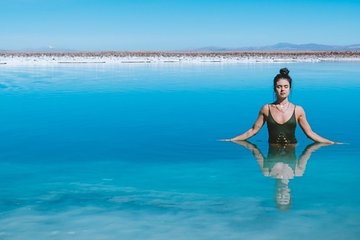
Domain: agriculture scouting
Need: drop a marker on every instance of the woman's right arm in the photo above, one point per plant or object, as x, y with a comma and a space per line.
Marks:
255, 128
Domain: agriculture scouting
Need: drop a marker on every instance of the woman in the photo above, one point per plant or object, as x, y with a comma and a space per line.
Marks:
281, 116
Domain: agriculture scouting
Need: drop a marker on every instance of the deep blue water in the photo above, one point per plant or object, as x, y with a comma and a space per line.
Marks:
132, 152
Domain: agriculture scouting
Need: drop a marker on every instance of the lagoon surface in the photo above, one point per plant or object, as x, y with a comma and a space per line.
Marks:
131, 151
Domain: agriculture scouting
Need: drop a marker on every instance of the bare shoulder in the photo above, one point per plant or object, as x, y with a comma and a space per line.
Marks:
265, 109
299, 111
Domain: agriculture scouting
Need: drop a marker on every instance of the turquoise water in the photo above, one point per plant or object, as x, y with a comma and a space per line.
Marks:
131, 152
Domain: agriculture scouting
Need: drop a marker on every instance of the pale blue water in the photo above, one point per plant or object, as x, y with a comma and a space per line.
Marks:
131, 152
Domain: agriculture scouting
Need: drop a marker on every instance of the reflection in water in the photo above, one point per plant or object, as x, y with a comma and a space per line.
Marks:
282, 164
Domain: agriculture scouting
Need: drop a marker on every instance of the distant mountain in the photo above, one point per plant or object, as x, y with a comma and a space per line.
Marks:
212, 48
276, 47
289, 47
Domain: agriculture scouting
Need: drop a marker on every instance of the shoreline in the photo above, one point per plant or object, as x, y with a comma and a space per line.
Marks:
111, 57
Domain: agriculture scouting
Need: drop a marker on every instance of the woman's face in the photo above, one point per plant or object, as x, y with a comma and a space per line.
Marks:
282, 88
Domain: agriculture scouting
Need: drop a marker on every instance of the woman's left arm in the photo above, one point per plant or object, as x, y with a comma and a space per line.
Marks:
305, 126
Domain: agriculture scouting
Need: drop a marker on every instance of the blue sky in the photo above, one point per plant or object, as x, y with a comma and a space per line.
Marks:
174, 25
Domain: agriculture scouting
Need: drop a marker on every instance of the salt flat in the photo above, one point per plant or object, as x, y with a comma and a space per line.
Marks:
112, 57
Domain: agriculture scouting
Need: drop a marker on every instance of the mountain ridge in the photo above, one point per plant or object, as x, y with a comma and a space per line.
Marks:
278, 47
284, 46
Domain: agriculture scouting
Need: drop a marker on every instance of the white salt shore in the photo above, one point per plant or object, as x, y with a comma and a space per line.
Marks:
48, 59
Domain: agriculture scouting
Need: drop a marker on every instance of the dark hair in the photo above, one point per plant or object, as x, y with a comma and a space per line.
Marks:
284, 74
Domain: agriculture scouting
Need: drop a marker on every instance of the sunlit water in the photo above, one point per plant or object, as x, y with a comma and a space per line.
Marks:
131, 152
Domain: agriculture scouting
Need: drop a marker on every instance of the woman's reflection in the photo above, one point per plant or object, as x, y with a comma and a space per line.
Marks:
281, 163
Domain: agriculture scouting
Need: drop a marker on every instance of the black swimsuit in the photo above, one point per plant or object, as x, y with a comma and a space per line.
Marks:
281, 133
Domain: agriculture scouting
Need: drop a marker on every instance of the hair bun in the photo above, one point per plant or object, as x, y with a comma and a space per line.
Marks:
284, 71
